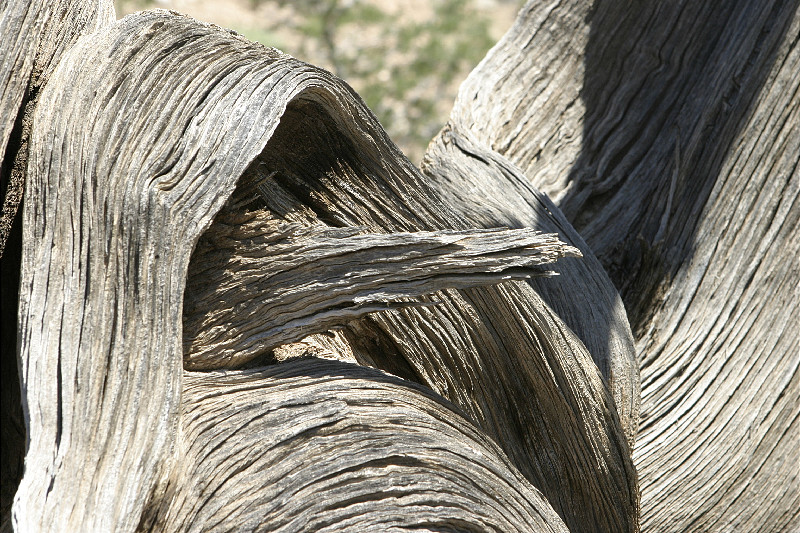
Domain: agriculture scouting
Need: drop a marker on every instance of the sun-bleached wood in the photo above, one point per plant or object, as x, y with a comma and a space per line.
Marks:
314, 445
498, 193
35, 34
257, 282
667, 133
220, 240
478, 348
118, 199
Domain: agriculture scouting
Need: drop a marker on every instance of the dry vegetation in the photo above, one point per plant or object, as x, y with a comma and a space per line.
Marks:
406, 58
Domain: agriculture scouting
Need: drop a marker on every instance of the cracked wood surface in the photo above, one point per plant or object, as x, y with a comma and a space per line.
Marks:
119, 198
256, 282
315, 445
668, 136
35, 35
219, 241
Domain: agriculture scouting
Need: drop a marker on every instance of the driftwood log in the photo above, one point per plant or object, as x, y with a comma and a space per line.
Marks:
229, 302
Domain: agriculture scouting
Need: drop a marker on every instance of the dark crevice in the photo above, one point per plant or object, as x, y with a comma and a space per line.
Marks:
708, 116
12, 421
14, 165
367, 337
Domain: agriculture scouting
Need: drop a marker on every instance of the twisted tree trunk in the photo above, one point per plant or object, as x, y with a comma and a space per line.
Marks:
240, 307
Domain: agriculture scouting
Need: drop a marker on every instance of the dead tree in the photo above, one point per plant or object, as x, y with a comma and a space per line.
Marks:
230, 303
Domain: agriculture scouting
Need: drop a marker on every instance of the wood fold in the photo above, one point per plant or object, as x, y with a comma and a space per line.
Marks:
138, 142
480, 348
315, 445
668, 136
195, 201
257, 282
488, 190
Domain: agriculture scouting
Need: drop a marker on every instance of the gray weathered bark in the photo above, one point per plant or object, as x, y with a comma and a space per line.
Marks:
241, 307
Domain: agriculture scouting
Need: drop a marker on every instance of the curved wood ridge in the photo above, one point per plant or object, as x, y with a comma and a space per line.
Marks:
242, 308
480, 348
488, 190
668, 136
311, 445
148, 127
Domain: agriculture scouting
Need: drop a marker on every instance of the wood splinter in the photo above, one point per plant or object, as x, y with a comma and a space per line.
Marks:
257, 282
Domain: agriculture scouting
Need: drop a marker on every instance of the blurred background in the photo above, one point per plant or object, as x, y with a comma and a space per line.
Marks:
406, 58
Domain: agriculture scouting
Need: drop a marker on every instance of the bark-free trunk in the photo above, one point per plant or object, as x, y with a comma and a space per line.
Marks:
242, 308
669, 135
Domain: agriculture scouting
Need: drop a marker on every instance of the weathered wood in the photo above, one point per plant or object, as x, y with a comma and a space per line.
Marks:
100, 317
169, 120
668, 135
498, 194
34, 34
195, 201
327, 446
480, 348
256, 282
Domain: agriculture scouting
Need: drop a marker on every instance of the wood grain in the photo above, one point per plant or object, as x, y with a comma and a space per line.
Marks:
119, 198
35, 35
667, 135
316, 445
257, 282
242, 308
478, 348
